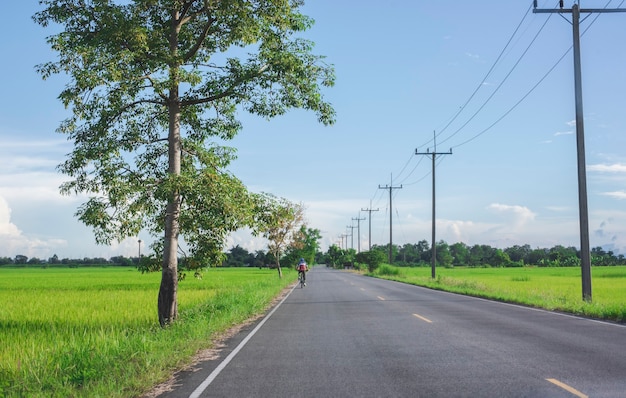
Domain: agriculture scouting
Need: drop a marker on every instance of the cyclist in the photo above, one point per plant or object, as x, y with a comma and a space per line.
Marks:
302, 269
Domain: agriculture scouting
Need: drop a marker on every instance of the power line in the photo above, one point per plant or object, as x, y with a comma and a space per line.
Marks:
505, 114
480, 85
506, 77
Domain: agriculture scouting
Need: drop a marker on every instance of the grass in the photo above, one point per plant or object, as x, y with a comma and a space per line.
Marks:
94, 331
557, 289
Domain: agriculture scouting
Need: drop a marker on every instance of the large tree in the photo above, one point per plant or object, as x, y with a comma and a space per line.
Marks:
152, 85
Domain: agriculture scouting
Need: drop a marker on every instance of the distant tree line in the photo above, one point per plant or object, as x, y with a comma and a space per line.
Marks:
410, 255
21, 260
306, 246
461, 254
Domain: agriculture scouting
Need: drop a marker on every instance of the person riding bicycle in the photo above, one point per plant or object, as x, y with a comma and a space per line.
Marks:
302, 269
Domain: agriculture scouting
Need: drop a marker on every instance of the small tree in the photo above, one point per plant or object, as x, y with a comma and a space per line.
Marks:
279, 221
334, 254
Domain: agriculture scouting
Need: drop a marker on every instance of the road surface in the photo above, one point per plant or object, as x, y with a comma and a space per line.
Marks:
347, 335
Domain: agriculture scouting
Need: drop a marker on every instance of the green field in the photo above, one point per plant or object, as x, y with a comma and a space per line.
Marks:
557, 289
87, 332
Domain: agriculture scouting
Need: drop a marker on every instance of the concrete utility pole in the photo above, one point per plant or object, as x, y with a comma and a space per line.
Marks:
358, 232
433, 154
585, 255
351, 235
390, 188
370, 210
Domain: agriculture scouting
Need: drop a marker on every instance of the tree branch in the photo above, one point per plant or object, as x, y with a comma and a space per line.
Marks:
193, 50
227, 92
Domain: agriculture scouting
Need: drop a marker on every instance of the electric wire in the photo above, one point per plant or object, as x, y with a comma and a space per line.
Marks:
506, 77
533, 87
412, 171
480, 85
405, 166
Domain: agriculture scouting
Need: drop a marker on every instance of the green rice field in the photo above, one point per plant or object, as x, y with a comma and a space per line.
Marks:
558, 289
87, 332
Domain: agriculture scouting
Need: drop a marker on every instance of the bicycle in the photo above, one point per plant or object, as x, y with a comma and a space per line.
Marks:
301, 279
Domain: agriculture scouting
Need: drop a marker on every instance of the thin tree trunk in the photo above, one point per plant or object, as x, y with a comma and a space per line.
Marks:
168, 292
280, 271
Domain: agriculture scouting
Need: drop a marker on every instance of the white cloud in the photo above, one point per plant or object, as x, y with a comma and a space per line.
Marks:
15, 242
558, 209
516, 215
468, 232
8, 230
608, 168
558, 133
616, 194
571, 123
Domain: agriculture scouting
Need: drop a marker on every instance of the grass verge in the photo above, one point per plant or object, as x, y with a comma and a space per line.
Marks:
556, 289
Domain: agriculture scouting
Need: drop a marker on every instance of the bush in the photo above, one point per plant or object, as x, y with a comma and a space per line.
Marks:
372, 258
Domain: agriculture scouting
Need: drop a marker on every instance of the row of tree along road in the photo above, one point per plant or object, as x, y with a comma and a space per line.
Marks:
410, 254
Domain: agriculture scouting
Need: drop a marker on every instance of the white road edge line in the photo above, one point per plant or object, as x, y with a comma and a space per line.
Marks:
203, 386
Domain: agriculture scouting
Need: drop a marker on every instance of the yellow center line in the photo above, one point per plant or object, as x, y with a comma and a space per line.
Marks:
567, 388
381, 298
422, 318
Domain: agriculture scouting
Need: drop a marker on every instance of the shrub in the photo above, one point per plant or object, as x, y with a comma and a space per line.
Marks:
372, 258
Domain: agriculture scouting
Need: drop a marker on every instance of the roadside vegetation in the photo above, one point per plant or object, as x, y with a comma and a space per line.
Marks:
86, 332
556, 289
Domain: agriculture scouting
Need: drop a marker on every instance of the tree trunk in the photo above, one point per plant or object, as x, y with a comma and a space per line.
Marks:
280, 271
168, 300
168, 292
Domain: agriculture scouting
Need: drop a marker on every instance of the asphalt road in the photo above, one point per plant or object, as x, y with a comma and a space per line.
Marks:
346, 335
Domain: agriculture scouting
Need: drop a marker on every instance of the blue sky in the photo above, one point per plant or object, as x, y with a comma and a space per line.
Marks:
404, 70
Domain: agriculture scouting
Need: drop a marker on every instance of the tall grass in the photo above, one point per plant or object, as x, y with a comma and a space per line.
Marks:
550, 288
94, 331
